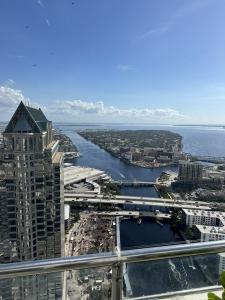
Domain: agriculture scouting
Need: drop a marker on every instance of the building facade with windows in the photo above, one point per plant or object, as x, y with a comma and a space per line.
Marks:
201, 217
210, 233
190, 172
33, 201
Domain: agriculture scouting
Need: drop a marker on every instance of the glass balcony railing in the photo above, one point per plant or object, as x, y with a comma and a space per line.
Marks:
186, 271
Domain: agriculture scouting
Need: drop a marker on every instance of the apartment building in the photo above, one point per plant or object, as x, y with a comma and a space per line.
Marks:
190, 172
210, 233
201, 217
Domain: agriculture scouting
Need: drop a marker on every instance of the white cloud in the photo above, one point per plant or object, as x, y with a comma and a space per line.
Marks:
124, 68
39, 2
47, 22
154, 31
190, 7
18, 56
94, 111
10, 98
99, 109
9, 82
184, 10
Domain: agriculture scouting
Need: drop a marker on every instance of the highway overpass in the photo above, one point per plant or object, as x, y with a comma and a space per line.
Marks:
100, 199
135, 213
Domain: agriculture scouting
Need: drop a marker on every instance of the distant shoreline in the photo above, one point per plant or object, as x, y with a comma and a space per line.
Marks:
200, 125
78, 125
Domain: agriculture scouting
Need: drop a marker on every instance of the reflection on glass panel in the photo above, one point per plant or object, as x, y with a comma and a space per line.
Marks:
73, 284
48, 286
89, 284
177, 274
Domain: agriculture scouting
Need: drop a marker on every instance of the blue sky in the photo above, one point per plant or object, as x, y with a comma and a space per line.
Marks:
114, 60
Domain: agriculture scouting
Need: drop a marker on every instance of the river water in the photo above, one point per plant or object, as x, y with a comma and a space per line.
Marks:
196, 140
174, 274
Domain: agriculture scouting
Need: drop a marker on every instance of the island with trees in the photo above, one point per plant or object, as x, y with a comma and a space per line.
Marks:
144, 148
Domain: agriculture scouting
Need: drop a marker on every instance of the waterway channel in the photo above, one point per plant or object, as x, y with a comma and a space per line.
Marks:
161, 276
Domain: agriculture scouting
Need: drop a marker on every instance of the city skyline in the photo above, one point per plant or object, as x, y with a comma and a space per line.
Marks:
109, 62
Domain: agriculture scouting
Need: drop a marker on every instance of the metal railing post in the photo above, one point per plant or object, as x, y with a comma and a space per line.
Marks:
117, 281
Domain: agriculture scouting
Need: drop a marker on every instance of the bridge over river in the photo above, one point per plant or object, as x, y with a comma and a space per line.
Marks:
135, 213
70, 197
135, 183
210, 159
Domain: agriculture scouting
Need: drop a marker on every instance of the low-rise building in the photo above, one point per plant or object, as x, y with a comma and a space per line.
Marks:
124, 150
215, 177
210, 233
193, 217
221, 262
149, 158
163, 159
137, 156
127, 155
209, 225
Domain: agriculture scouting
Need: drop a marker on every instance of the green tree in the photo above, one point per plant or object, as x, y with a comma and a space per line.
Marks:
212, 296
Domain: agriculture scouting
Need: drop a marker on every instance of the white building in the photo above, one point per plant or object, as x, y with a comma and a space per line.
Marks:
221, 262
201, 217
210, 233
209, 226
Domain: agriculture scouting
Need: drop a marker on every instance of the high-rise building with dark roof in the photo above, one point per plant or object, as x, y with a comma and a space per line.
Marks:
32, 203
33, 177
34, 185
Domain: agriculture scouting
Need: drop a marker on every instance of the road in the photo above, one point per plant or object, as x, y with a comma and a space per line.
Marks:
135, 213
169, 203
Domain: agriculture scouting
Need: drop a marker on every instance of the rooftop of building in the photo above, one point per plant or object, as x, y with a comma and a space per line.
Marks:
66, 211
57, 157
211, 229
38, 116
195, 212
34, 117
73, 174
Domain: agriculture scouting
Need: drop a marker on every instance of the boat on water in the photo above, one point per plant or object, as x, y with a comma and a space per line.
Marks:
72, 155
121, 175
160, 223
